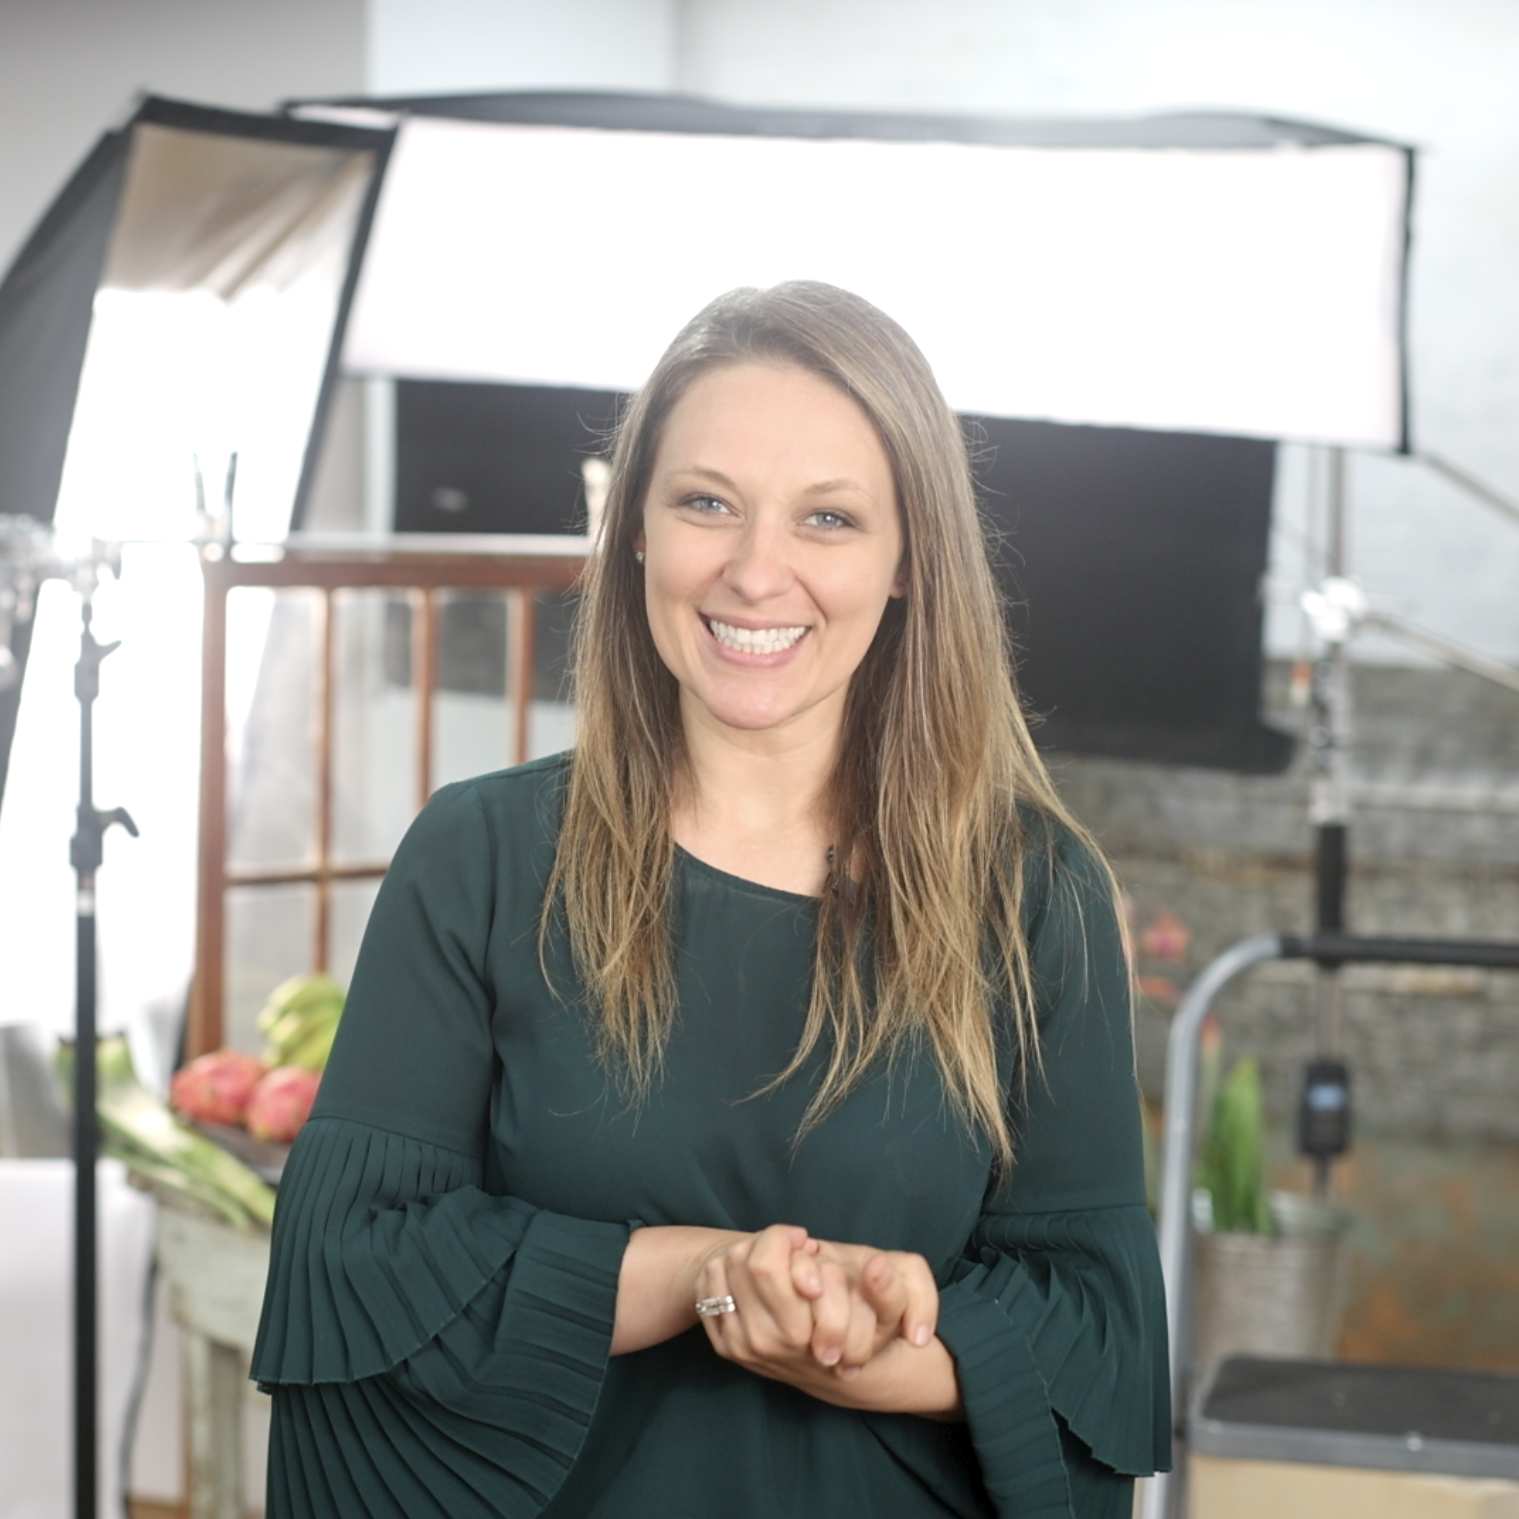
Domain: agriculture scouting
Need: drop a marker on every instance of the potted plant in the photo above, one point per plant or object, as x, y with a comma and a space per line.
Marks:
1270, 1266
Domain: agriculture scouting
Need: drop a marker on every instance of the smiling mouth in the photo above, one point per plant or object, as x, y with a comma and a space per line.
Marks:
754, 640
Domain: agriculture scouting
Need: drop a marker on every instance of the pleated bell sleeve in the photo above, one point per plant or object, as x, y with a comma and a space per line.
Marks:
1056, 1312
425, 1339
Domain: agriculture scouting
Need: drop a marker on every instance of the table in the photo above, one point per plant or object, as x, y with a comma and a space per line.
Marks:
216, 1277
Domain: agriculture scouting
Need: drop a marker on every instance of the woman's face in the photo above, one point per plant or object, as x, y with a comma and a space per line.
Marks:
773, 540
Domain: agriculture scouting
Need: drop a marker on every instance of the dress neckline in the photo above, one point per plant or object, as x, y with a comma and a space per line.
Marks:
740, 883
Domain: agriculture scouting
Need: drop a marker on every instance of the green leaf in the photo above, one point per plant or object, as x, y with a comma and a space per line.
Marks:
1233, 1166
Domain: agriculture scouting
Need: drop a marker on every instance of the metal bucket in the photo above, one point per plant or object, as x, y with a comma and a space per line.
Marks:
1277, 1294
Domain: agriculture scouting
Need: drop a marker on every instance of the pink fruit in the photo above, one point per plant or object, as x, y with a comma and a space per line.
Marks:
215, 1088
281, 1103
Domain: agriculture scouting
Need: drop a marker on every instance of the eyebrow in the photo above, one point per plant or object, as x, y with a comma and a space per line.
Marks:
819, 488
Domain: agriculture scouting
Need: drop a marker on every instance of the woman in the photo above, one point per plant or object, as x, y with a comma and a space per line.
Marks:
736, 1117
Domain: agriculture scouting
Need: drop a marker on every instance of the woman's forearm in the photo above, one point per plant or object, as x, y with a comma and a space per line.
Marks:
901, 1379
656, 1290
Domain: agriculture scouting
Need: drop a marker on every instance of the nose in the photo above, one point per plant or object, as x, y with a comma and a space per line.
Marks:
759, 566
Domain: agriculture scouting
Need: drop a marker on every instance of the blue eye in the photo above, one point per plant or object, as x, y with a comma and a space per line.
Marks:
709, 504
831, 520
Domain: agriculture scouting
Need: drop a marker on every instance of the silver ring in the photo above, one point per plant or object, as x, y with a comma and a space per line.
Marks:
715, 1307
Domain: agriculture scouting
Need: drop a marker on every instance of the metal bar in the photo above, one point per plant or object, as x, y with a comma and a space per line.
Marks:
86, 1241
325, 680
1174, 1225
1472, 485
204, 1031
1341, 949
1443, 649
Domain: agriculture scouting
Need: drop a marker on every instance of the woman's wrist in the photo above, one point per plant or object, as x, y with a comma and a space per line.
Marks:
902, 1378
657, 1286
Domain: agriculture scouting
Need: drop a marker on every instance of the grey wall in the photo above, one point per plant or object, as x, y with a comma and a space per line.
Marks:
70, 68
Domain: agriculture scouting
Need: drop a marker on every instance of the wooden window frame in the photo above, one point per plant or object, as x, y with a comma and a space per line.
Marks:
424, 576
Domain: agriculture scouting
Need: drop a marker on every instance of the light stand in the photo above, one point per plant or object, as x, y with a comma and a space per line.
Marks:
1324, 1105
86, 852
27, 557
1338, 608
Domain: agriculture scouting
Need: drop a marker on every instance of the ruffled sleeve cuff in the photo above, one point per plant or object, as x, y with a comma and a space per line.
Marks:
1060, 1319
382, 1243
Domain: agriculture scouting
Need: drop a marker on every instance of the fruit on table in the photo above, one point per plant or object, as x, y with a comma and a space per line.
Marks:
215, 1088
299, 1021
281, 1103
140, 1129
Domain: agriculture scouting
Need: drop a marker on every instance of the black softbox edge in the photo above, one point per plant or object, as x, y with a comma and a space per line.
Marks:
632, 111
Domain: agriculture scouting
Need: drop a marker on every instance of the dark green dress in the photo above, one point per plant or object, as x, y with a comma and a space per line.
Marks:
453, 1217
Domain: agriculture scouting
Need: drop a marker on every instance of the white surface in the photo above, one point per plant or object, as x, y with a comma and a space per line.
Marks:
36, 1330
1224, 291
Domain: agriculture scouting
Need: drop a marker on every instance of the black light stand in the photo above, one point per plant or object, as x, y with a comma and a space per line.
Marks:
85, 854
1324, 1118
1338, 609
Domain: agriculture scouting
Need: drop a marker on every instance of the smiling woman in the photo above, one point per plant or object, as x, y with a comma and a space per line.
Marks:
792, 1165
773, 541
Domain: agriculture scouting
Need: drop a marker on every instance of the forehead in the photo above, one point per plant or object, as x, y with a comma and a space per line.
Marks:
773, 411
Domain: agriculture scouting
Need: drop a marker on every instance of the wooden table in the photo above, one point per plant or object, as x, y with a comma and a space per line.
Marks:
216, 1280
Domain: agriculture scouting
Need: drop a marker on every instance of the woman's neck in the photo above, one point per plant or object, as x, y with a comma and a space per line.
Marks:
756, 805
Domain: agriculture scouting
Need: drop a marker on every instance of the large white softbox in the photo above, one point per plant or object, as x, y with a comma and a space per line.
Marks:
1232, 275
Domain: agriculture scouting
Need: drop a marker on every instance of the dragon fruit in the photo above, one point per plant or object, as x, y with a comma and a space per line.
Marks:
281, 1103
216, 1088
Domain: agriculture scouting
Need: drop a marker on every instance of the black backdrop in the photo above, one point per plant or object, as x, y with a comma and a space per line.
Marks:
1132, 561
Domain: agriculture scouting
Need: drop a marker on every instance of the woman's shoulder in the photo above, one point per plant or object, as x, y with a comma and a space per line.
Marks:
1061, 863
534, 791
503, 810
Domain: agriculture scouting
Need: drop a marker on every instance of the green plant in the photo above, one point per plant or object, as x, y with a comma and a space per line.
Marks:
1233, 1168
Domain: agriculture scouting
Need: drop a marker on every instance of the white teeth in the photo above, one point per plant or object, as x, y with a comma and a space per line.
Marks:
754, 640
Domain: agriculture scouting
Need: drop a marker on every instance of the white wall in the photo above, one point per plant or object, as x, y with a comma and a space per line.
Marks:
1439, 76
421, 47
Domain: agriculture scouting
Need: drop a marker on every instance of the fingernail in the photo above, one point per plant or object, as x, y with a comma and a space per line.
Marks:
849, 1372
831, 1355
921, 1336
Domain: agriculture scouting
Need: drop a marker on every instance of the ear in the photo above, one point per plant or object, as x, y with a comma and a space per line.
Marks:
899, 585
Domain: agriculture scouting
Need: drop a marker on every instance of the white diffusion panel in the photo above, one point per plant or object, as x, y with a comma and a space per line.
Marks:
1253, 292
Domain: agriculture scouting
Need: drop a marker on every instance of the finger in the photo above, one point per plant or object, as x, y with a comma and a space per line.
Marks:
884, 1288
805, 1273
863, 1337
907, 1294
760, 1279
712, 1283
831, 1314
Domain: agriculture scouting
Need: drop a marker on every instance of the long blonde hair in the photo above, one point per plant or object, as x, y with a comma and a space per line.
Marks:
937, 782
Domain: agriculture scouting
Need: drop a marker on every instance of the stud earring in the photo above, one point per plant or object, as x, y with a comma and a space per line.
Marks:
638, 555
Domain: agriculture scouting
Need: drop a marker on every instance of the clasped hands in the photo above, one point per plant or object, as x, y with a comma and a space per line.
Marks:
849, 1324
